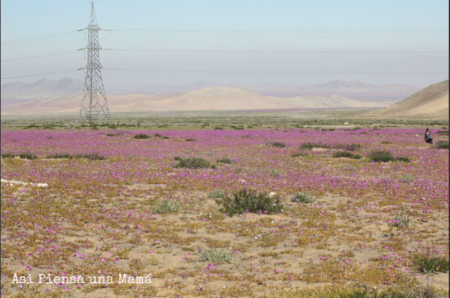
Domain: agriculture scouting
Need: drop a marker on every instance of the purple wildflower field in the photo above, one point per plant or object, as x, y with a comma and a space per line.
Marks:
99, 215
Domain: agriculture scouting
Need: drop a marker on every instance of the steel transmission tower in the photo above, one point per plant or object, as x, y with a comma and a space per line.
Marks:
94, 106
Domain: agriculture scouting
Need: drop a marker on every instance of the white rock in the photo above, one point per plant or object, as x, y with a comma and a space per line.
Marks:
272, 194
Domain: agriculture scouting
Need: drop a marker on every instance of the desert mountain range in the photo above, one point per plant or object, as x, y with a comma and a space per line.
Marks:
46, 89
432, 101
212, 98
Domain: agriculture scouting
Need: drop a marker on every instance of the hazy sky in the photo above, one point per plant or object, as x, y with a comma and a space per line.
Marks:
32, 18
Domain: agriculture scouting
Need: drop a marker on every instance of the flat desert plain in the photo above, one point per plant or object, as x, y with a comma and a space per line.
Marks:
219, 213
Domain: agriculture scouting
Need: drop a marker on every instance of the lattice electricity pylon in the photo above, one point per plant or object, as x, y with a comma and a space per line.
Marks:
94, 106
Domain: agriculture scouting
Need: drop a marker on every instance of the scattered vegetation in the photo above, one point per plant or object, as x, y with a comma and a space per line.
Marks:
430, 264
400, 221
381, 156
225, 160
250, 202
302, 197
346, 154
166, 207
191, 140
441, 144
91, 156
407, 178
193, 163
216, 256
403, 159
141, 136
276, 144
60, 155
216, 193
8, 155
28, 155
310, 146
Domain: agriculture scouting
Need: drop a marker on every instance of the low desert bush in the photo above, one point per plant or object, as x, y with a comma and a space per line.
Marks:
166, 207
60, 155
406, 178
302, 197
346, 154
381, 156
299, 154
441, 145
430, 264
91, 156
250, 201
276, 144
400, 221
191, 140
8, 155
348, 147
225, 160
274, 173
141, 136
218, 128
403, 159
28, 155
386, 142
309, 146
193, 163
216, 193
216, 256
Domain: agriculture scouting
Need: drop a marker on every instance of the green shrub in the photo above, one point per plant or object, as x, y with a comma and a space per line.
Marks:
348, 168
166, 207
274, 173
191, 140
91, 156
112, 126
8, 155
299, 154
381, 156
250, 201
346, 154
407, 178
400, 221
276, 144
60, 155
386, 142
443, 132
28, 155
237, 127
302, 197
216, 193
216, 256
431, 264
441, 145
403, 159
177, 158
225, 160
348, 147
157, 135
218, 128
193, 163
141, 136
309, 146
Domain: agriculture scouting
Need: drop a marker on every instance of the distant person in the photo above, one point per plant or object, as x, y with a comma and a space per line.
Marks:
428, 138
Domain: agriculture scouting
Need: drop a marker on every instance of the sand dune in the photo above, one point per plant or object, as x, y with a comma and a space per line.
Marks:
432, 101
213, 98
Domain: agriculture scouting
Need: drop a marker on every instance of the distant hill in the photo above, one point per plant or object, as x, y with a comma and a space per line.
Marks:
18, 92
432, 101
212, 98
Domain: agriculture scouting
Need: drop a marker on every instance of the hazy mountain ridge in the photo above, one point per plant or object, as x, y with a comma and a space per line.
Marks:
211, 98
432, 101
47, 89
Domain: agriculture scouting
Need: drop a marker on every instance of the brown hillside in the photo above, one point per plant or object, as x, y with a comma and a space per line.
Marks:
432, 101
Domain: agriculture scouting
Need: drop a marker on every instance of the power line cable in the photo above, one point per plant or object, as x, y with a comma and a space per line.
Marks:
280, 72
284, 52
39, 11
273, 31
43, 74
62, 34
41, 56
